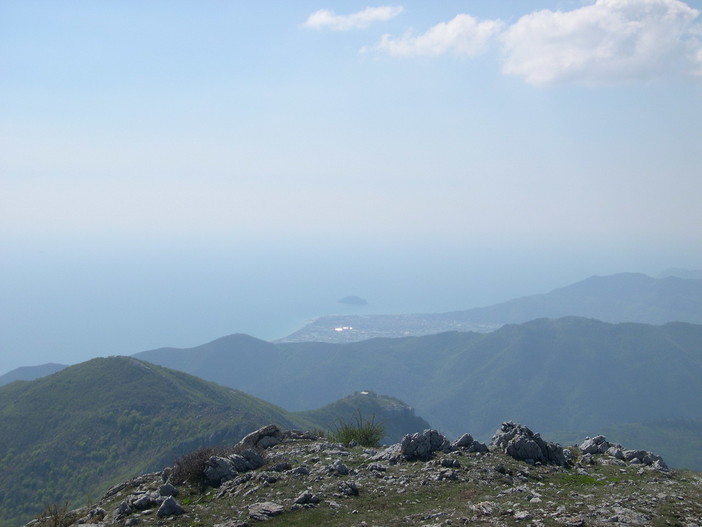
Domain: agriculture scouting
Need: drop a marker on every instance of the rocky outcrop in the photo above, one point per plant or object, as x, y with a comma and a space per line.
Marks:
221, 469
599, 445
524, 445
262, 438
491, 487
466, 443
594, 445
422, 446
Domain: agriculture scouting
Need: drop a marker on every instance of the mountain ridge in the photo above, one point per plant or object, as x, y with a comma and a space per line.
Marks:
622, 297
559, 374
29, 373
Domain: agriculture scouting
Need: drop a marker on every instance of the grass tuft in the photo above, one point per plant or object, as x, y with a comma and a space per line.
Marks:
361, 431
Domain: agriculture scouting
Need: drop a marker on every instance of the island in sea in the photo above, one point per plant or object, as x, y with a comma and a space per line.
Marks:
354, 300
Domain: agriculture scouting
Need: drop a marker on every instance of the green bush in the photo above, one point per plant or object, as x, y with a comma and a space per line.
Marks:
363, 432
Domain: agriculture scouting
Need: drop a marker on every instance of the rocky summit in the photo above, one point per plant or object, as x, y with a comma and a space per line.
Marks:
296, 478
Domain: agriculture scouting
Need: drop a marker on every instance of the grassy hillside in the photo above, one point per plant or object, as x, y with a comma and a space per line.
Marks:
73, 433
101, 421
570, 374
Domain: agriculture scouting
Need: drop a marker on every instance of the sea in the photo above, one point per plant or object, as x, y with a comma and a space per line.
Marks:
68, 303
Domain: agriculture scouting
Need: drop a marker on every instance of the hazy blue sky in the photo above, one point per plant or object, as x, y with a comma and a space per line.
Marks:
166, 166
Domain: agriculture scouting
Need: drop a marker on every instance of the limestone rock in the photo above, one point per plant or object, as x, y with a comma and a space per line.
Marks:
348, 488
262, 438
524, 445
339, 468
122, 510
170, 507
595, 445
306, 498
95, 515
167, 490
248, 460
468, 444
264, 511
599, 445
143, 501
422, 446
392, 454
218, 470
643, 457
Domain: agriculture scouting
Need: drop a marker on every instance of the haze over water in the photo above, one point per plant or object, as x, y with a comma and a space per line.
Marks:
172, 173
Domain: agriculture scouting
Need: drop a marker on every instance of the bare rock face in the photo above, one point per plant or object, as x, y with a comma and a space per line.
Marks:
524, 445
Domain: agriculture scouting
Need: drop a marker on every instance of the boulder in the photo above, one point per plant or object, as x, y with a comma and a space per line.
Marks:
391, 454
253, 459
307, 498
422, 446
95, 515
339, 468
167, 490
468, 444
450, 463
348, 488
169, 507
595, 445
122, 510
143, 501
524, 445
644, 457
265, 510
218, 470
262, 438
248, 460
616, 452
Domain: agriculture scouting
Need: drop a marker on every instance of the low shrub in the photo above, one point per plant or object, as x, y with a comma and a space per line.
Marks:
190, 467
55, 515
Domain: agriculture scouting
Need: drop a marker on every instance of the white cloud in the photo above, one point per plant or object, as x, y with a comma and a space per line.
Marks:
464, 35
608, 41
327, 19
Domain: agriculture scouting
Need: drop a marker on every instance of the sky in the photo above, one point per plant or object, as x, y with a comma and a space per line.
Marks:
174, 171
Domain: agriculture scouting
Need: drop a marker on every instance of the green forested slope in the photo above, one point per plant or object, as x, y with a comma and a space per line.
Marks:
565, 375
